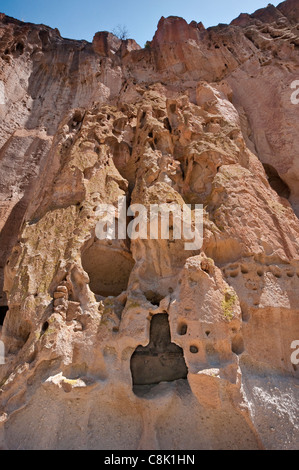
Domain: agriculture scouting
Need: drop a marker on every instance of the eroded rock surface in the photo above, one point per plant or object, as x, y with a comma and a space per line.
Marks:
199, 116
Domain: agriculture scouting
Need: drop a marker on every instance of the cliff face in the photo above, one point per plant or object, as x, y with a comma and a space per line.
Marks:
130, 344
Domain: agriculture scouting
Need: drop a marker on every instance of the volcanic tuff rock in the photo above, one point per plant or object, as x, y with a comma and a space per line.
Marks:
129, 344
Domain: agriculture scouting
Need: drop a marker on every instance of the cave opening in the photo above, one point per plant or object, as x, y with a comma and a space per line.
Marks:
276, 182
3, 312
159, 361
153, 297
108, 269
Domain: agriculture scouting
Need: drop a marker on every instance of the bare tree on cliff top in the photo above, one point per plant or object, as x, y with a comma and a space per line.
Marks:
121, 31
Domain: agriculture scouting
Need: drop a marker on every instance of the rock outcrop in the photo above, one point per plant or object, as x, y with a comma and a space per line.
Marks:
142, 344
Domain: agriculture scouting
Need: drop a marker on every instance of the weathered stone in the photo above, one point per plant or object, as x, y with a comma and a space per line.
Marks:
59, 295
150, 345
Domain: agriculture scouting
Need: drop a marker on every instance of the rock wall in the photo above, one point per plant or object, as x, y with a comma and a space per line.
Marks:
141, 344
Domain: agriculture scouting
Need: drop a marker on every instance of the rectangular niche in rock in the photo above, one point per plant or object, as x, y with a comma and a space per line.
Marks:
161, 360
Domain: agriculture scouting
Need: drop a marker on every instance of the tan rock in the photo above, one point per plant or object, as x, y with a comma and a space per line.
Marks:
142, 344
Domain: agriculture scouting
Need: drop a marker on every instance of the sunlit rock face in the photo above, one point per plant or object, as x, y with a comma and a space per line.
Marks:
140, 343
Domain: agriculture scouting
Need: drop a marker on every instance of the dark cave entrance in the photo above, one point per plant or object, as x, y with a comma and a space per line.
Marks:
161, 360
3, 312
276, 182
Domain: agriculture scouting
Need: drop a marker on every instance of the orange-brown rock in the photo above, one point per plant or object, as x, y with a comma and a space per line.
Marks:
142, 344
105, 43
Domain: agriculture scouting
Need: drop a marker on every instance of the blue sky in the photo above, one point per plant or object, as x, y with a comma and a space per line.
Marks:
81, 19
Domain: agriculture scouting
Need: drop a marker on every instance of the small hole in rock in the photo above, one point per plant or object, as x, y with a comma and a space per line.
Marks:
45, 326
153, 297
3, 312
142, 118
182, 329
194, 349
167, 124
238, 345
234, 273
208, 333
20, 48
